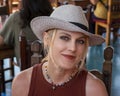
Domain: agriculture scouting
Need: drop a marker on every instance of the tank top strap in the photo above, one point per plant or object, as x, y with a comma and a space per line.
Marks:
83, 77
34, 78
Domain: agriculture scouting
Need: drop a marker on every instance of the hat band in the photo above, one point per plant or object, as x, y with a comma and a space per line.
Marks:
80, 25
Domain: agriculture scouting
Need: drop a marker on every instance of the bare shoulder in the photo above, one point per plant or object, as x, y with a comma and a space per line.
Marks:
21, 83
94, 86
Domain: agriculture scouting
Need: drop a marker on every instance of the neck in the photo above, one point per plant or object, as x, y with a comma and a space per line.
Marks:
58, 75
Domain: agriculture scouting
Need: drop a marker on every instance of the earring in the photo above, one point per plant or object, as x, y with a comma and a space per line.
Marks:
78, 65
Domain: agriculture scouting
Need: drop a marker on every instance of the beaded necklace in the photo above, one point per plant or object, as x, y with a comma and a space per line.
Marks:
54, 86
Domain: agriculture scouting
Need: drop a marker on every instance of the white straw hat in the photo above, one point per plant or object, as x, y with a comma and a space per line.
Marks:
66, 17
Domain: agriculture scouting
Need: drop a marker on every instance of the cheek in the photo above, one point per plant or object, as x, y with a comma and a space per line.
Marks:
81, 51
56, 52
57, 47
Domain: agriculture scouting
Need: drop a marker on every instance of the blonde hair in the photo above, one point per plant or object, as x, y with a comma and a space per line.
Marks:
51, 34
82, 62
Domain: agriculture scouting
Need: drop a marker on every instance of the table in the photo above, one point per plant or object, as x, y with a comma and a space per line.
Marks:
6, 52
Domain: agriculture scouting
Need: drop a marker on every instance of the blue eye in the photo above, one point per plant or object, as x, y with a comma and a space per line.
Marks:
81, 41
64, 38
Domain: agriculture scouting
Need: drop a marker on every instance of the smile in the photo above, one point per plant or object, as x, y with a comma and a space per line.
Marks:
70, 57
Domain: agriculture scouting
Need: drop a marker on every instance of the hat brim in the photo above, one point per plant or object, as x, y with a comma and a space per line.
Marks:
43, 23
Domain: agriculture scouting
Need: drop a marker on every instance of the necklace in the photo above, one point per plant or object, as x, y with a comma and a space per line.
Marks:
54, 86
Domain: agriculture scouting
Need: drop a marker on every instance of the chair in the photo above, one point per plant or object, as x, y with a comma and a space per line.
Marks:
111, 23
30, 51
6, 52
106, 74
37, 52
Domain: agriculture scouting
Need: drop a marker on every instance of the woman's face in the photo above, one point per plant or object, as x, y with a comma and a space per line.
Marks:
68, 49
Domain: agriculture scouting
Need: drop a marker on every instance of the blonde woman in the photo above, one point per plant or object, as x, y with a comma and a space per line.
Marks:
61, 73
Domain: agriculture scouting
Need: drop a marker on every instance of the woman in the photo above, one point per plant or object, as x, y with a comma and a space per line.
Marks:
61, 72
20, 21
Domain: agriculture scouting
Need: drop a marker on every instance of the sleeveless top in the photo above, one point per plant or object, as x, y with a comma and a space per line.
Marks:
40, 87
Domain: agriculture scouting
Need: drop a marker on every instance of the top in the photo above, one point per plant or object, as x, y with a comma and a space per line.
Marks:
40, 87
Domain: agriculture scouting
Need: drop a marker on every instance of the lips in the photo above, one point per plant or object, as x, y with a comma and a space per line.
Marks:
70, 57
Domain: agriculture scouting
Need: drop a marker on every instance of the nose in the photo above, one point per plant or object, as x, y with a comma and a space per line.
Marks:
72, 46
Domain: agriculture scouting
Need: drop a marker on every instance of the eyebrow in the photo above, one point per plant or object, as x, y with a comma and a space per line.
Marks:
64, 33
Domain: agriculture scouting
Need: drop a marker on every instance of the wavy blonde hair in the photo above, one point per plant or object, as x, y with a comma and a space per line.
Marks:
47, 48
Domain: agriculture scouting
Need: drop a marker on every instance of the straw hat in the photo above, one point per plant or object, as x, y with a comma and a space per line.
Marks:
100, 11
66, 17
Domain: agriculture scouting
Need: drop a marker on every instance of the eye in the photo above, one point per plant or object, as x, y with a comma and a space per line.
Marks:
80, 41
66, 38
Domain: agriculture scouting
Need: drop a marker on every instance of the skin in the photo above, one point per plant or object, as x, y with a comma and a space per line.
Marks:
66, 51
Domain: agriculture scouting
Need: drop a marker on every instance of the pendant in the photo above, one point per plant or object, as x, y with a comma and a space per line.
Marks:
53, 87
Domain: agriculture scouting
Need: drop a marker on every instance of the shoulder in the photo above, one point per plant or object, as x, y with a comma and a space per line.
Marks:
22, 80
12, 18
15, 13
94, 86
17, 16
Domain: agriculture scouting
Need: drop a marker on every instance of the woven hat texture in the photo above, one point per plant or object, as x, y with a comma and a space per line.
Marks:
66, 17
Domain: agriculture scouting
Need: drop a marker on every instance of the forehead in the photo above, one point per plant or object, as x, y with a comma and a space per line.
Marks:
71, 33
